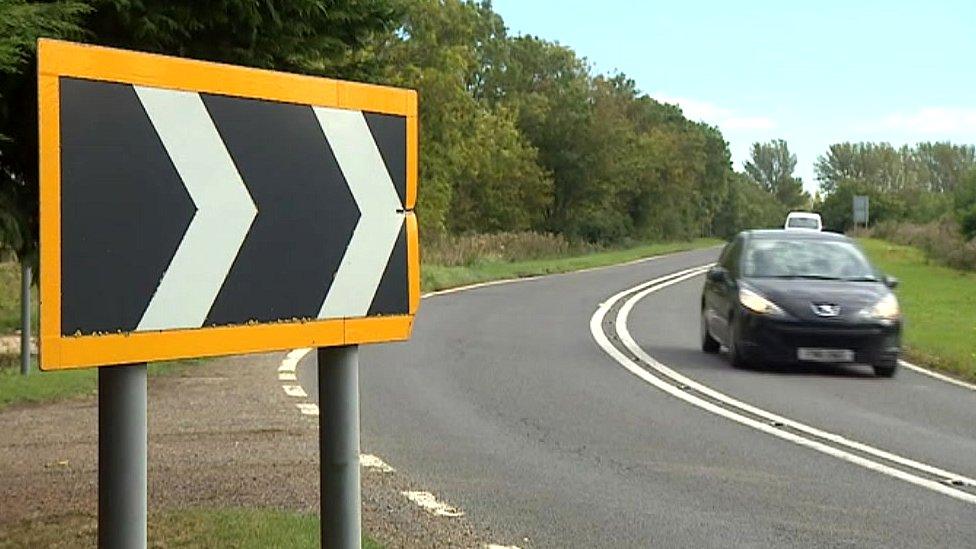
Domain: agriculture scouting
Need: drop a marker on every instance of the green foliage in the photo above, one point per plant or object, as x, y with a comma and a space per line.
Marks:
915, 185
610, 162
932, 167
517, 133
772, 166
21, 24
965, 205
311, 36
747, 206
941, 241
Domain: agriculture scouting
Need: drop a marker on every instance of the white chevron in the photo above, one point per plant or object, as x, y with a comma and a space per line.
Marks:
372, 242
224, 213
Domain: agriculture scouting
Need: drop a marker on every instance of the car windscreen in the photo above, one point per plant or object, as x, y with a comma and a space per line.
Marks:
806, 258
802, 223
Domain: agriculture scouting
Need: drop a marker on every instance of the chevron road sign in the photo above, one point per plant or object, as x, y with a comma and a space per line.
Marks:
196, 209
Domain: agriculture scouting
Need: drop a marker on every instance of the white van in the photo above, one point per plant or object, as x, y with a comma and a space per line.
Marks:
803, 221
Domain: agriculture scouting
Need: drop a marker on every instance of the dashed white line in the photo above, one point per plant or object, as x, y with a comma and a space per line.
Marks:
370, 461
308, 408
295, 391
429, 503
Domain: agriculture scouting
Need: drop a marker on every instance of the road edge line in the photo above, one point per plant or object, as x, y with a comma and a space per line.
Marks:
937, 375
596, 330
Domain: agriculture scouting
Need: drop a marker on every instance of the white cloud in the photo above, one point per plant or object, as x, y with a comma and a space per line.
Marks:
933, 120
724, 118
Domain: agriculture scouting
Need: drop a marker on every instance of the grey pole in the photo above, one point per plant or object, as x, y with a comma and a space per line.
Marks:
339, 447
25, 318
122, 448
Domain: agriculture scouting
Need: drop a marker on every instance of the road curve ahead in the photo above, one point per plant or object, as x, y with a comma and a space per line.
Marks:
529, 406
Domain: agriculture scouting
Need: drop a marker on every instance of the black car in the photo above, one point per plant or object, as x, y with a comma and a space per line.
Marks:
780, 296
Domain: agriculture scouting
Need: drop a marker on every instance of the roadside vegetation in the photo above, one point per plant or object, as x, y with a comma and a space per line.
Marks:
10, 298
40, 387
941, 241
458, 261
939, 304
195, 527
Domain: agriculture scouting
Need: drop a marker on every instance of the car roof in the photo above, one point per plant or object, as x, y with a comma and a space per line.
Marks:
809, 215
783, 234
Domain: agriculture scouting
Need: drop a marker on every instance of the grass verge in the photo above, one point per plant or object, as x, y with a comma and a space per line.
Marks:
438, 277
10, 298
939, 305
50, 386
197, 527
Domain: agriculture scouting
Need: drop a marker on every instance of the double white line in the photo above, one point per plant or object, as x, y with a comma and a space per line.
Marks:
718, 403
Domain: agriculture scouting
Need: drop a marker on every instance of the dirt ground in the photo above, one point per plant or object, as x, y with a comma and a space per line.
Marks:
221, 434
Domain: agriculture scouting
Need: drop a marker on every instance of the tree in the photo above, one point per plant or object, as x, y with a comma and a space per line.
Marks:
965, 205
479, 171
746, 205
21, 24
309, 36
772, 165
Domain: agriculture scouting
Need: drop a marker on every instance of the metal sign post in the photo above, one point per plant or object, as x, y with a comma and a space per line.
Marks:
25, 318
340, 501
122, 449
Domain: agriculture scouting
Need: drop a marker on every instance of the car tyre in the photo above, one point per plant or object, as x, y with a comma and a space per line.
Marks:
709, 344
886, 369
735, 353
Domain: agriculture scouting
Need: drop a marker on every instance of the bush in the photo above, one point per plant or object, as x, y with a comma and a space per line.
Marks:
965, 203
470, 249
940, 240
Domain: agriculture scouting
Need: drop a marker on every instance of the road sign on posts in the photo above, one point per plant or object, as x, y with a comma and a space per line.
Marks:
861, 204
193, 209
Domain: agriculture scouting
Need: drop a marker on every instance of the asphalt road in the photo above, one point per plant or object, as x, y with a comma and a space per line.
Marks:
504, 405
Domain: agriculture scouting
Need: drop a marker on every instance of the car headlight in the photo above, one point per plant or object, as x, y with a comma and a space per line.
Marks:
885, 309
757, 303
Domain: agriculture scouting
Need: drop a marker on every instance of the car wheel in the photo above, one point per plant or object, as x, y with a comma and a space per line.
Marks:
735, 353
708, 343
886, 369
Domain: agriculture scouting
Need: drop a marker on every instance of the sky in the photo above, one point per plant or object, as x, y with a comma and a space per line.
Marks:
811, 73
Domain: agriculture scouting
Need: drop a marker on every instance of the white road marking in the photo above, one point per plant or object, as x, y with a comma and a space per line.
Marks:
937, 375
632, 366
496, 546
294, 391
223, 217
429, 503
370, 461
380, 218
287, 376
308, 408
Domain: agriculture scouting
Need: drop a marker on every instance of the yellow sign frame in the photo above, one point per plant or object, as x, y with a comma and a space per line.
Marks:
58, 59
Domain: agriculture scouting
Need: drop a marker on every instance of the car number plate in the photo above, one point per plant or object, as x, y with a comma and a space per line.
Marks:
825, 355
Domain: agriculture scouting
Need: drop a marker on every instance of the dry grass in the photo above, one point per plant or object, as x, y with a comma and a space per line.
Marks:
473, 249
940, 240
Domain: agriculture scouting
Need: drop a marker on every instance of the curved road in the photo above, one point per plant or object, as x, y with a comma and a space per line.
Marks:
505, 405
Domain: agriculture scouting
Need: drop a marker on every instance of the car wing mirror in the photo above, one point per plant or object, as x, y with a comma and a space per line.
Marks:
716, 274
890, 282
